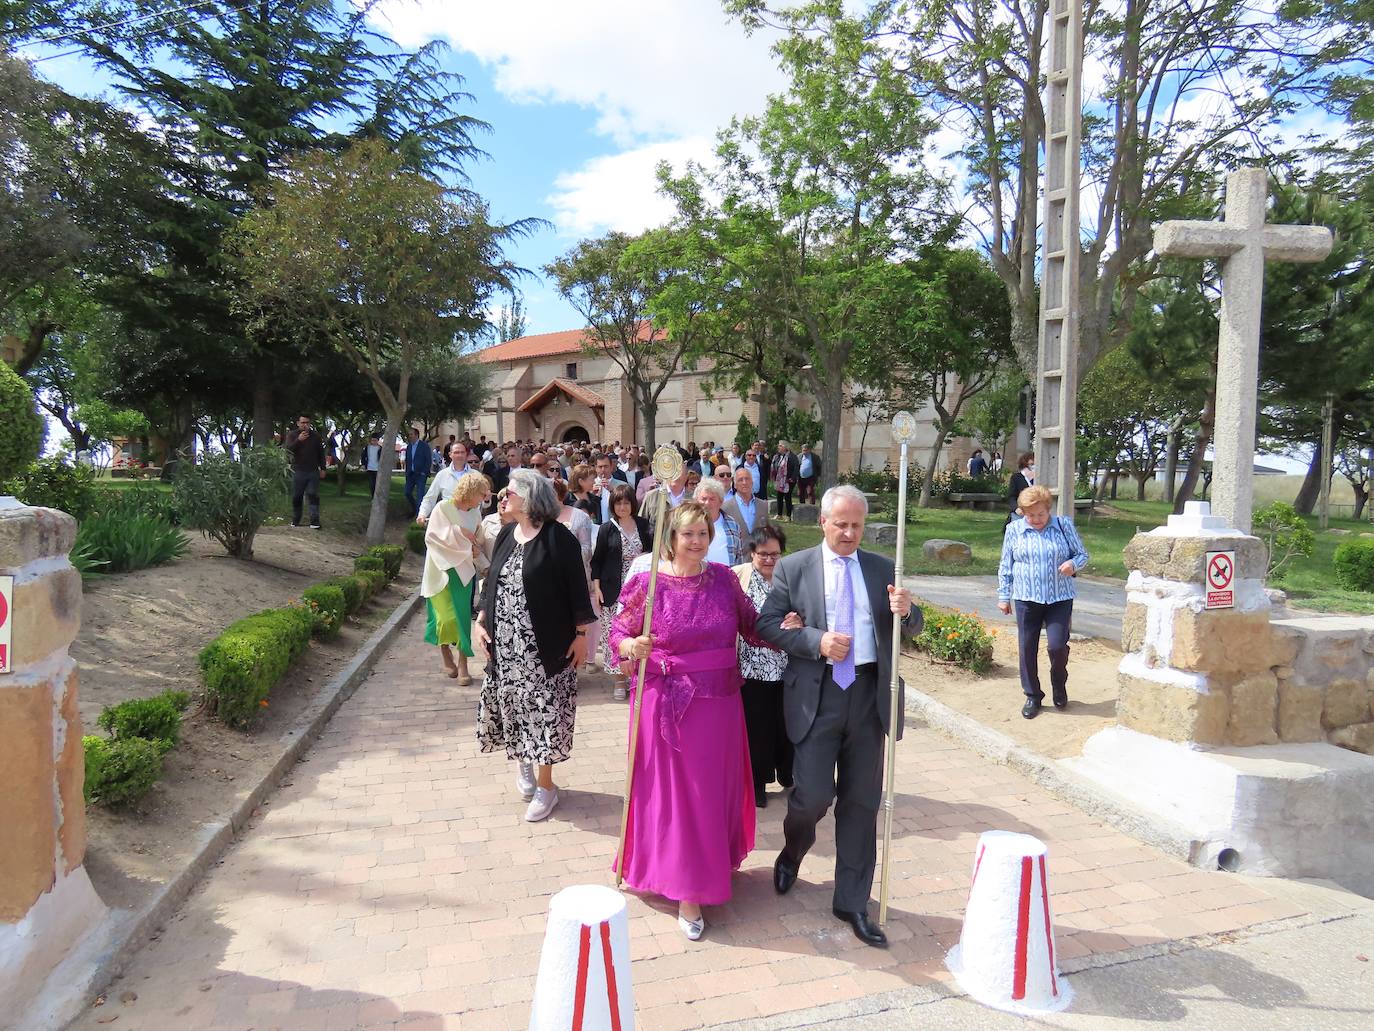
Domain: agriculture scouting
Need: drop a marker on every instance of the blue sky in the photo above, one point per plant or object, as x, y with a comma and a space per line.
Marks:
583, 98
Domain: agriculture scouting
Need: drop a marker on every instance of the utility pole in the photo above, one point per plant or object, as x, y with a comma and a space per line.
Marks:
1328, 459
1056, 406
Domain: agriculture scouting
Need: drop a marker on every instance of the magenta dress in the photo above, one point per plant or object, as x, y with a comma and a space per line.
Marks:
692, 804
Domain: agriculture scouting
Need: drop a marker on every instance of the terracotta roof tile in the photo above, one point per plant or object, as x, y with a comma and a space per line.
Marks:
541, 345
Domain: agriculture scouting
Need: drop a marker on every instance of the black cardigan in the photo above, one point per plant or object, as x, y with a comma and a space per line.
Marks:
555, 591
1018, 484
608, 557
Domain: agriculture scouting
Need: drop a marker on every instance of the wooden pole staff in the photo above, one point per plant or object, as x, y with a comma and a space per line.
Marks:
903, 430
667, 466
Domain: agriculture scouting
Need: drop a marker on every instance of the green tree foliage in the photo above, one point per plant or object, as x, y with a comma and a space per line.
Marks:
1286, 535
21, 427
811, 204
384, 263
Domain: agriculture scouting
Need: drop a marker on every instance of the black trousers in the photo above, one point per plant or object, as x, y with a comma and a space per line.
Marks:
305, 486
372, 482
846, 739
806, 488
785, 503
1055, 619
770, 753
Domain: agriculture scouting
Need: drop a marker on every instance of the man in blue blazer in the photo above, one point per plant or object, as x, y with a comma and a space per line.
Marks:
419, 459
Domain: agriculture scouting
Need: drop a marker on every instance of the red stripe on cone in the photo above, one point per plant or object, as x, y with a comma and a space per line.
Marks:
1049, 932
976, 865
1018, 989
584, 949
610, 975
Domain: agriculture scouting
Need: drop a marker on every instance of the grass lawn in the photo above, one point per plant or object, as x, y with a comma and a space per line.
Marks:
1309, 582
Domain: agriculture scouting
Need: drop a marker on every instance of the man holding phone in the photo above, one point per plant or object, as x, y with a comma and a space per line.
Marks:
307, 465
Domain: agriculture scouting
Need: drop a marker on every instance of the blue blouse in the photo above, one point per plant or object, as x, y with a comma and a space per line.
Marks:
1031, 558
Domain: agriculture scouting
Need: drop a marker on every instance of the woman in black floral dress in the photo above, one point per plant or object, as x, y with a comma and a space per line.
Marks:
533, 619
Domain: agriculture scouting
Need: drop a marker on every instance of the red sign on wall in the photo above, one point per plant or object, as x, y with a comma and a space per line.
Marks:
1221, 573
6, 620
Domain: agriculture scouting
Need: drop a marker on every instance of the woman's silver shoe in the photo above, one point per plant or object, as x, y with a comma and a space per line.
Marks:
524, 781
693, 929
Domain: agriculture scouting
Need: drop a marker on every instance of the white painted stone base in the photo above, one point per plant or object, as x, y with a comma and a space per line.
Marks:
64, 920
1288, 810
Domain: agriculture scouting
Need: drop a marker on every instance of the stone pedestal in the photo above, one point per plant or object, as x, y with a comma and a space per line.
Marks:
47, 904
1213, 735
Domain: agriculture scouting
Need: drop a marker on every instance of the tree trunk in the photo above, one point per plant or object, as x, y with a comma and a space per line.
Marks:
648, 411
1140, 480
376, 520
863, 437
262, 401
1312, 482
761, 430
831, 400
1361, 496
1171, 460
1198, 457
1115, 475
932, 458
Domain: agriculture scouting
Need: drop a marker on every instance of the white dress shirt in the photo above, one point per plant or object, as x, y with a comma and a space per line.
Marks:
756, 474
719, 551
865, 642
440, 488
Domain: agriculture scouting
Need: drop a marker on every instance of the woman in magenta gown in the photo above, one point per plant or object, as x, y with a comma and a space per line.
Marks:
691, 806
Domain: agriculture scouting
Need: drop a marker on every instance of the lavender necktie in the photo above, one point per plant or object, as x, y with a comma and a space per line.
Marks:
843, 671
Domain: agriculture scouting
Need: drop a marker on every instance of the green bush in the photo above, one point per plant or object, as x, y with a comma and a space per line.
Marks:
355, 590
121, 771
21, 427
244, 663
112, 542
957, 637
1354, 565
55, 483
1285, 534
376, 580
139, 499
392, 555
365, 562
228, 499
415, 538
156, 719
326, 604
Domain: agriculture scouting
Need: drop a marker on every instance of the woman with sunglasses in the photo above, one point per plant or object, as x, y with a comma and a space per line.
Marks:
770, 751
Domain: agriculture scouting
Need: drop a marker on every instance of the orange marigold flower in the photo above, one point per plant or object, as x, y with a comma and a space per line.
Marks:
263, 703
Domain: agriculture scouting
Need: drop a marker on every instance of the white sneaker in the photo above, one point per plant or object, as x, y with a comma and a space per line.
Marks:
693, 929
544, 801
524, 781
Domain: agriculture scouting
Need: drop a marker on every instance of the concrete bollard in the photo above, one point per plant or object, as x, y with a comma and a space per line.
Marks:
1005, 955
584, 969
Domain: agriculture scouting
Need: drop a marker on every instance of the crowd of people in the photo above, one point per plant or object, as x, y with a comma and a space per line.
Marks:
760, 667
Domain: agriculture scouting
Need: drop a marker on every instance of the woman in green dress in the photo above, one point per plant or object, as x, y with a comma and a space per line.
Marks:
454, 556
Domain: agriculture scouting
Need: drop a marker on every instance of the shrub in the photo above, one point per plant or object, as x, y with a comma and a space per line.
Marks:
326, 604
1285, 533
156, 719
392, 555
54, 483
415, 538
139, 499
355, 591
244, 663
121, 771
1354, 565
21, 427
228, 499
365, 562
376, 580
958, 637
111, 542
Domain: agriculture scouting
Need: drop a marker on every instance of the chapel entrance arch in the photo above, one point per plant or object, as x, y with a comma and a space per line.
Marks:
572, 433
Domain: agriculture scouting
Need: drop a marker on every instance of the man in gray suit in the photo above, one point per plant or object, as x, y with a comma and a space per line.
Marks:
837, 698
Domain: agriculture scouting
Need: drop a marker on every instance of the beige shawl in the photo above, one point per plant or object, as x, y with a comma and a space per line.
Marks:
449, 544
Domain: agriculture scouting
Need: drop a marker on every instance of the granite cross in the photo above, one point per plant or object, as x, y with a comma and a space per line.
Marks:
1243, 242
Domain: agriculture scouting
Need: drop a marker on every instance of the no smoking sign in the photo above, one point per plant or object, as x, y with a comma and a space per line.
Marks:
1221, 574
6, 621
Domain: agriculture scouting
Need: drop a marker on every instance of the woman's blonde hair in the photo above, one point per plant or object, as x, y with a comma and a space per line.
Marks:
1032, 496
471, 487
685, 514
580, 472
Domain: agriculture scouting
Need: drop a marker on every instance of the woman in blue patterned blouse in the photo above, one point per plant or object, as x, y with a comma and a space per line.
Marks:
1041, 555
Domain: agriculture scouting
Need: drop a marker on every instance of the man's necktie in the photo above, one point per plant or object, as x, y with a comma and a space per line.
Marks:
843, 671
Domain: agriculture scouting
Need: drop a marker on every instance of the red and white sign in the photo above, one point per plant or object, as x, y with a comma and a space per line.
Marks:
1221, 573
6, 621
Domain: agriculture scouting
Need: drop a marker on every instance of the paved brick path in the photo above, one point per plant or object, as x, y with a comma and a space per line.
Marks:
392, 882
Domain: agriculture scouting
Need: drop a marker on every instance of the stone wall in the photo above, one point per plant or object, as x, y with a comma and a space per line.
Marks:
1234, 677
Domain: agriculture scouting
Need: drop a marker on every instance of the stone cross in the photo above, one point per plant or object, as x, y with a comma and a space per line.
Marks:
1243, 242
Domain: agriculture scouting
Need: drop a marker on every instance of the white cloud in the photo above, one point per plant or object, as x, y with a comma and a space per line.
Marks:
619, 191
655, 70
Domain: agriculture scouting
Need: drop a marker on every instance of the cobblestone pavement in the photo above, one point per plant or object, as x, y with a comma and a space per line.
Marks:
391, 881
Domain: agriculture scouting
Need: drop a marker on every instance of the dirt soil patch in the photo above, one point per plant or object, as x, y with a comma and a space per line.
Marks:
995, 699
140, 635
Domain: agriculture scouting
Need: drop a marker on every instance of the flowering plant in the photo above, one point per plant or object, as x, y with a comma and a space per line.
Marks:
957, 637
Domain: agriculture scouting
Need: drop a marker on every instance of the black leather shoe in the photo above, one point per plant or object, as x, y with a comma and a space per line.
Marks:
761, 798
1031, 709
864, 929
1061, 703
784, 876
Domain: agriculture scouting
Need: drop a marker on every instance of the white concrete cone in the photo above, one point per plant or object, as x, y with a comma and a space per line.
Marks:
1005, 955
584, 971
